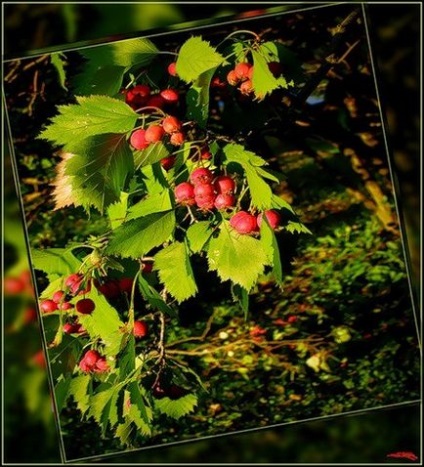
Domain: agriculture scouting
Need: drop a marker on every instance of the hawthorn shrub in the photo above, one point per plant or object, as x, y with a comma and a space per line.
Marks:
141, 146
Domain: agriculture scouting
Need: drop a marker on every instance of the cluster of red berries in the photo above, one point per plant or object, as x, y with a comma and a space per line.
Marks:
93, 362
241, 75
246, 223
169, 126
15, 285
206, 191
141, 96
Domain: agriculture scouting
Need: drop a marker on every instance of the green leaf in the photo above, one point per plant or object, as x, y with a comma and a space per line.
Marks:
100, 170
280, 203
291, 65
198, 234
108, 63
58, 63
91, 116
126, 358
260, 191
104, 323
78, 389
124, 431
103, 407
197, 98
175, 272
138, 412
137, 237
263, 80
117, 211
241, 296
61, 392
154, 298
58, 261
196, 56
236, 257
297, 227
154, 153
176, 408
270, 244
157, 202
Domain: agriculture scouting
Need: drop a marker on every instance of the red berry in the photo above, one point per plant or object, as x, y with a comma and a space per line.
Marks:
48, 306
126, 285
137, 96
241, 70
246, 88
273, 218
168, 162
201, 175
140, 329
171, 124
184, 193
232, 78
138, 139
250, 73
85, 367
58, 296
224, 201
177, 139
65, 306
85, 306
101, 365
91, 357
72, 279
76, 288
30, 315
205, 154
147, 267
292, 319
109, 289
217, 83
156, 101
154, 133
204, 190
172, 69
224, 185
243, 222
170, 96
69, 328
14, 285
39, 359
205, 202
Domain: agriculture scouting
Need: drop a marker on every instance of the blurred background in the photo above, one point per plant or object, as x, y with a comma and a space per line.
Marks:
30, 434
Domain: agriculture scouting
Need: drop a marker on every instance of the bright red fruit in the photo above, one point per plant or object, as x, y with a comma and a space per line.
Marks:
58, 296
14, 285
137, 96
241, 70
30, 315
244, 222
273, 218
184, 193
224, 201
246, 88
172, 69
292, 319
156, 101
138, 139
48, 306
224, 185
91, 357
69, 328
147, 267
250, 73
39, 359
109, 289
232, 78
72, 279
204, 190
140, 329
168, 162
76, 287
154, 133
205, 202
101, 365
126, 285
170, 96
65, 306
205, 154
171, 124
201, 175
177, 139
85, 306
